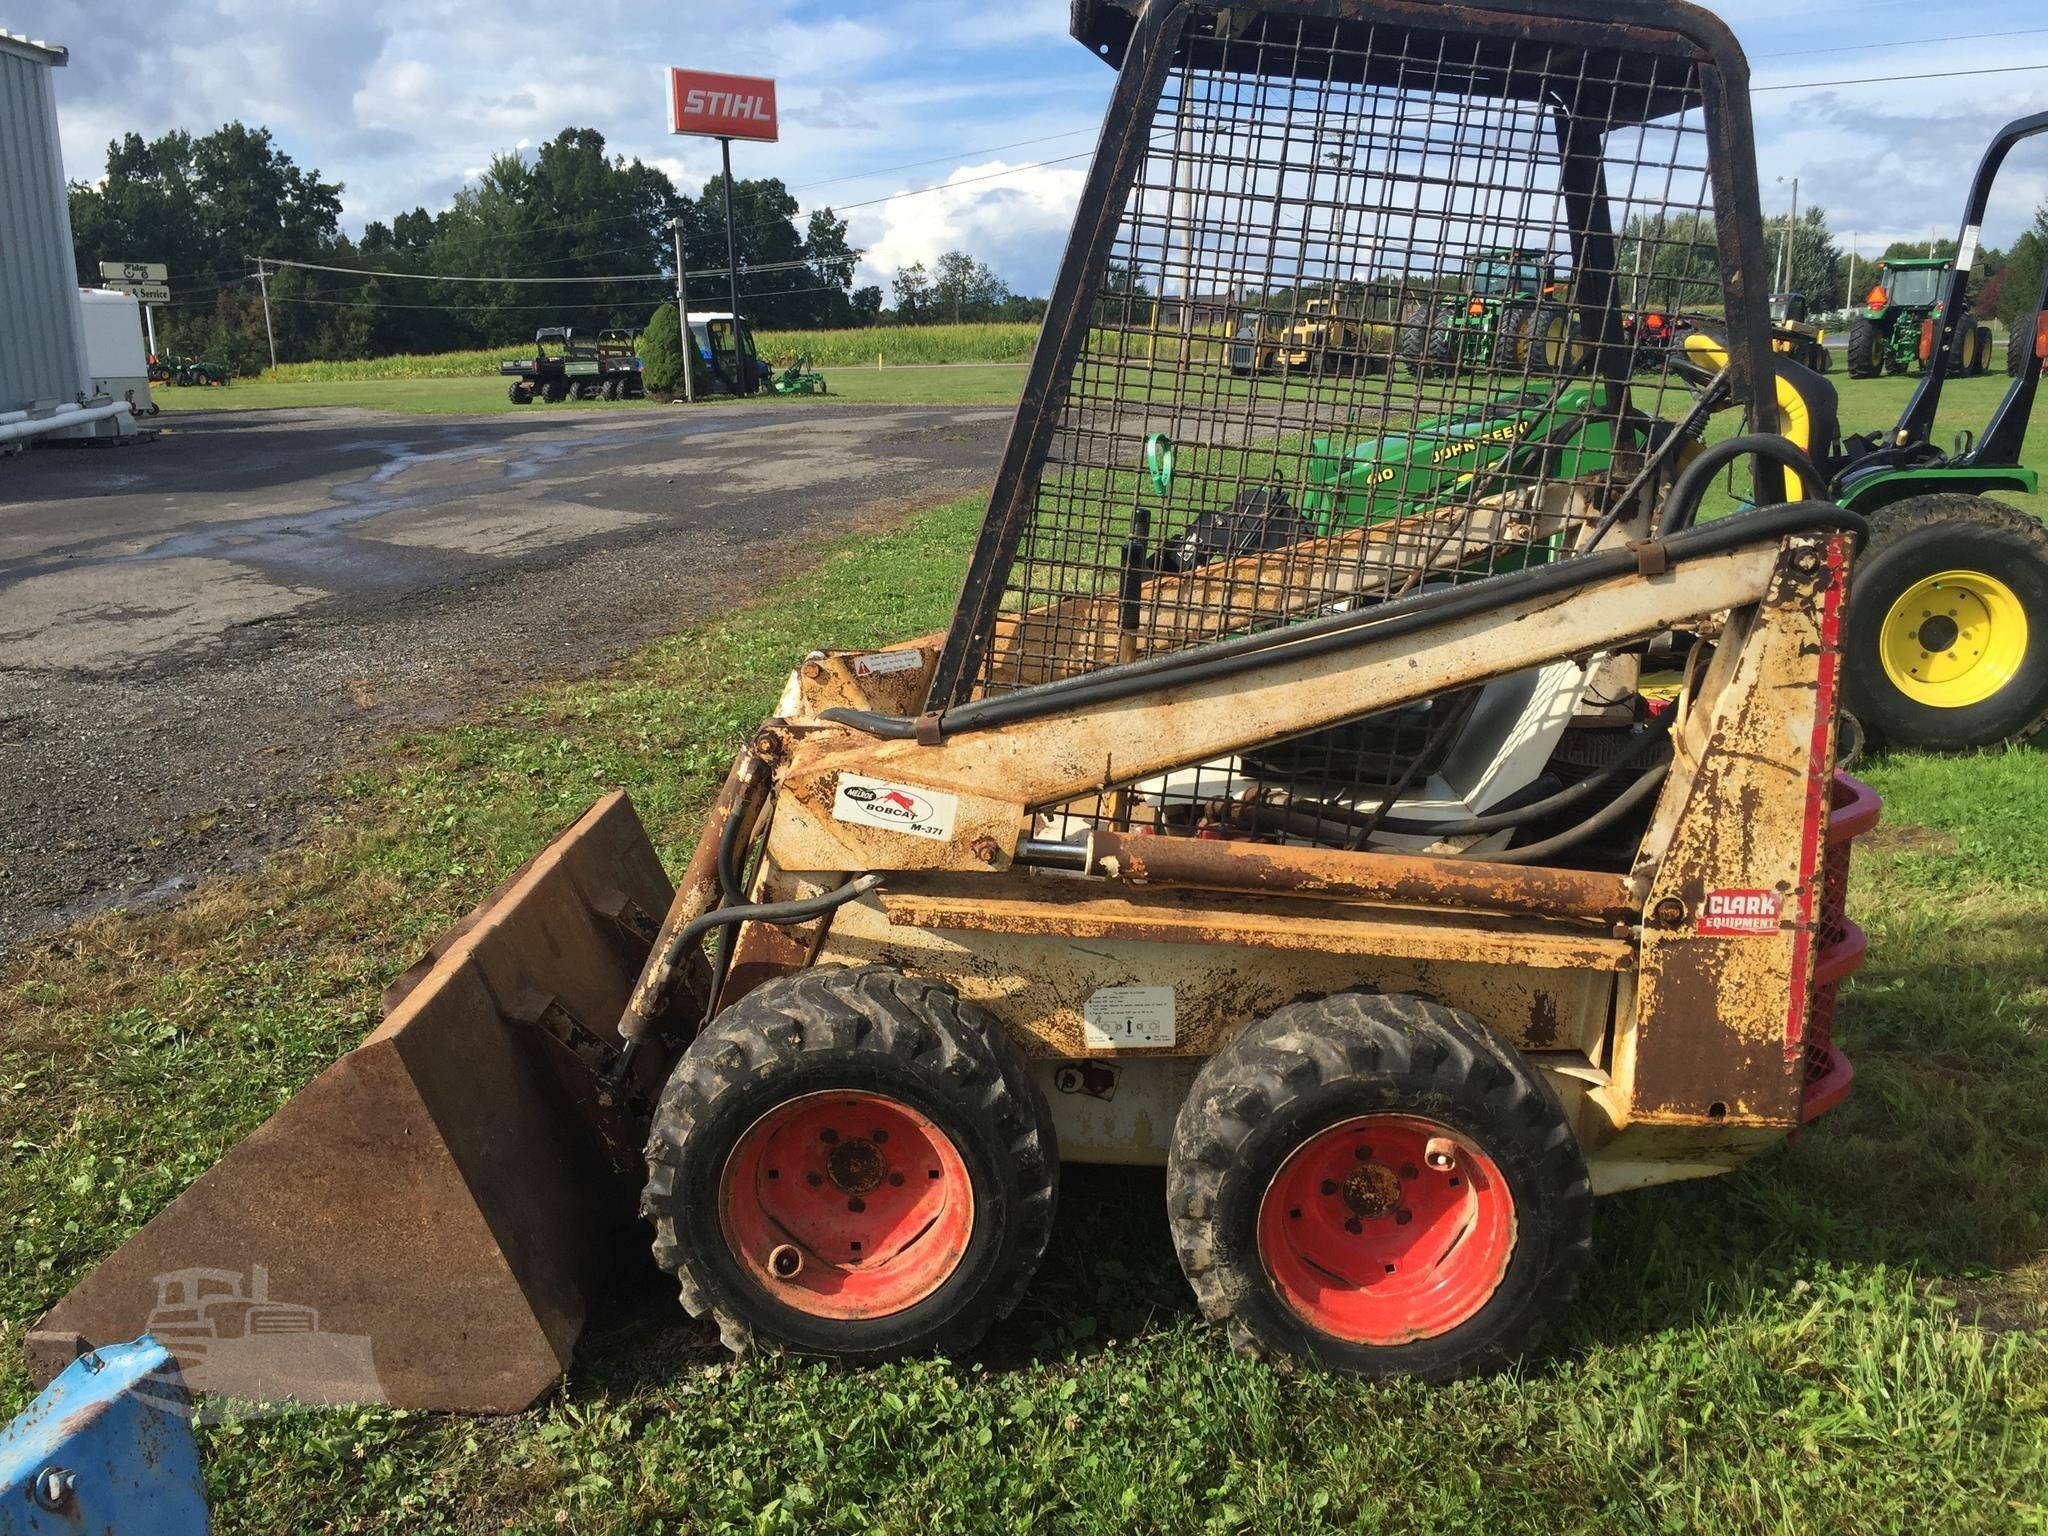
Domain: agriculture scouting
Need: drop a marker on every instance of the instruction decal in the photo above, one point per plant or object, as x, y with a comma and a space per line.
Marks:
896, 807
1117, 1018
882, 663
1741, 914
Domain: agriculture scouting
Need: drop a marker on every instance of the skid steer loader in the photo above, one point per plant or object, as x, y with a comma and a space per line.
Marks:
1398, 880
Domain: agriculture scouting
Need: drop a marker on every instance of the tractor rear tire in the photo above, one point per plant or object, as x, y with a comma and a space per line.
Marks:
1424, 340
1954, 571
1556, 343
854, 1164
1862, 361
2017, 338
1308, 1146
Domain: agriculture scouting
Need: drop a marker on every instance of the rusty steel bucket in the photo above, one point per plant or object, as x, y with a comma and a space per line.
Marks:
425, 1224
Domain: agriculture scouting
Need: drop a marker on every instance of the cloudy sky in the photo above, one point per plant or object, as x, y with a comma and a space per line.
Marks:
992, 105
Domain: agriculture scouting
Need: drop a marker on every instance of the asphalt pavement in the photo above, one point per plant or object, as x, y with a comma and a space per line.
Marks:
193, 630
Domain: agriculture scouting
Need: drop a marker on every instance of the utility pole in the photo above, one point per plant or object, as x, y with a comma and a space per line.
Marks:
1849, 291
742, 355
1791, 235
263, 282
683, 316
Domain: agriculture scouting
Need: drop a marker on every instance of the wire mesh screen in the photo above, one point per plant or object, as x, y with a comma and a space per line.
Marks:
1385, 310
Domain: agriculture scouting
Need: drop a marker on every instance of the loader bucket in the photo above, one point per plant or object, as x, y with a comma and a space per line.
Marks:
425, 1224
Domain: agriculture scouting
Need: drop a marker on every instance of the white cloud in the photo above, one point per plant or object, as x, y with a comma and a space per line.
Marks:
1016, 223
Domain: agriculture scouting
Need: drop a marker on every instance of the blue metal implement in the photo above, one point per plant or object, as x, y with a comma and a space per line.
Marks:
107, 1447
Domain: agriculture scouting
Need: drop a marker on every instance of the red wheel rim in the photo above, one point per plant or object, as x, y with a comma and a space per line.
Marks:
1386, 1229
846, 1205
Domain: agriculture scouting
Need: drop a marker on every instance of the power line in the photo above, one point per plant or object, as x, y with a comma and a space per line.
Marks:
446, 277
1904, 42
1939, 74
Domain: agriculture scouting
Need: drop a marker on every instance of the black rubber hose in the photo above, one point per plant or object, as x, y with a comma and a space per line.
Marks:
1340, 631
1536, 810
1599, 821
1682, 504
729, 918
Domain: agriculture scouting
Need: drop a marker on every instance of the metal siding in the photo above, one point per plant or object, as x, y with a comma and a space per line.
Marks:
42, 342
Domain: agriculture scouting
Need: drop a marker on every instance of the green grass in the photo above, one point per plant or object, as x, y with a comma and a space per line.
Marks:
1845, 1336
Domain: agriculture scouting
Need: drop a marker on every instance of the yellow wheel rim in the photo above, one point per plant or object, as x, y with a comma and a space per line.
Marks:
1954, 640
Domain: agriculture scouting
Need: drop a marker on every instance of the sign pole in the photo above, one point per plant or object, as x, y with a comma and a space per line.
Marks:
689, 342
742, 356
149, 324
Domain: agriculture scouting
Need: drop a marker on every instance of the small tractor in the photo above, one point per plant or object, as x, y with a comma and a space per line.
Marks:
565, 366
1796, 337
1507, 317
1901, 313
1366, 865
727, 354
1250, 349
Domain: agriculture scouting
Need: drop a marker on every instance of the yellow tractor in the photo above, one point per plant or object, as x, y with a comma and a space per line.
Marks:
1326, 340
1793, 335
1399, 875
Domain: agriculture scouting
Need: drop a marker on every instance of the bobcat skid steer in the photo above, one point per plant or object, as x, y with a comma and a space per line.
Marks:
1398, 880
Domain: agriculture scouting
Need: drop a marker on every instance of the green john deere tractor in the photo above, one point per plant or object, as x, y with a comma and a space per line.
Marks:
1507, 319
1901, 314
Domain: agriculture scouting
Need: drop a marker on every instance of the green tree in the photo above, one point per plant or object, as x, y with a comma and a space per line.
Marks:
912, 286
663, 356
1670, 262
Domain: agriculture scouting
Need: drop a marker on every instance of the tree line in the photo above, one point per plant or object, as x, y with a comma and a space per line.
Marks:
538, 226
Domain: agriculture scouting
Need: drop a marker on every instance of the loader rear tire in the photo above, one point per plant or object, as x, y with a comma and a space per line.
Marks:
851, 1163
1970, 670
1312, 1215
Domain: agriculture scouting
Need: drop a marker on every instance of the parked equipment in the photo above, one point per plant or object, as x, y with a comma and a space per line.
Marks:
799, 378
1350, 864
725, 349
1251, 348
1326, 340
1507, 316
107, 1447
1796, 337
1902, 312
565, 366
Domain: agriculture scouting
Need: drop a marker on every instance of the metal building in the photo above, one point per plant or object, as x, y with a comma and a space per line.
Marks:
44, 387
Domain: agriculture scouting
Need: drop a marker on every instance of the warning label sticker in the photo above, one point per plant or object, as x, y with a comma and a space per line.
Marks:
1117, 1017
1740, 913
898, 807
882, 663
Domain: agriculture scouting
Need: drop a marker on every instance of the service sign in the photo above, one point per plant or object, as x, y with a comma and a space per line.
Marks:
721, 106
135, 271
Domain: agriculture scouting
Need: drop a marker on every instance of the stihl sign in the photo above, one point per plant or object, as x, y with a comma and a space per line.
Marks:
723, 106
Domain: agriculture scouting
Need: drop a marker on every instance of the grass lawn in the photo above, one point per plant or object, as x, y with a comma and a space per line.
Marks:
1845, 1336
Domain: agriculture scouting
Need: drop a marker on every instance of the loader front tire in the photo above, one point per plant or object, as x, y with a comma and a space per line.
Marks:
1375, 1184
851, 1163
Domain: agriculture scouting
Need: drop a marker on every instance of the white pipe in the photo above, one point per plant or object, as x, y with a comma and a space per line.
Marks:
7, 416
64, 416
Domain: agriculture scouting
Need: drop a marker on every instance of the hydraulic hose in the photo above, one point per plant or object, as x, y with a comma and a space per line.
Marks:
1599, 821
1537, 810
729, 918
1682, 505
1338, 632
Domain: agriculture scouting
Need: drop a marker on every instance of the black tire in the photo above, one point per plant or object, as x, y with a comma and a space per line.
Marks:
1862, 360
2016, 344
519, 393
1910, 542
1980, 363
1510, 336
1312, 1067
868, 1030
608, 390
1424, 341
554, 392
